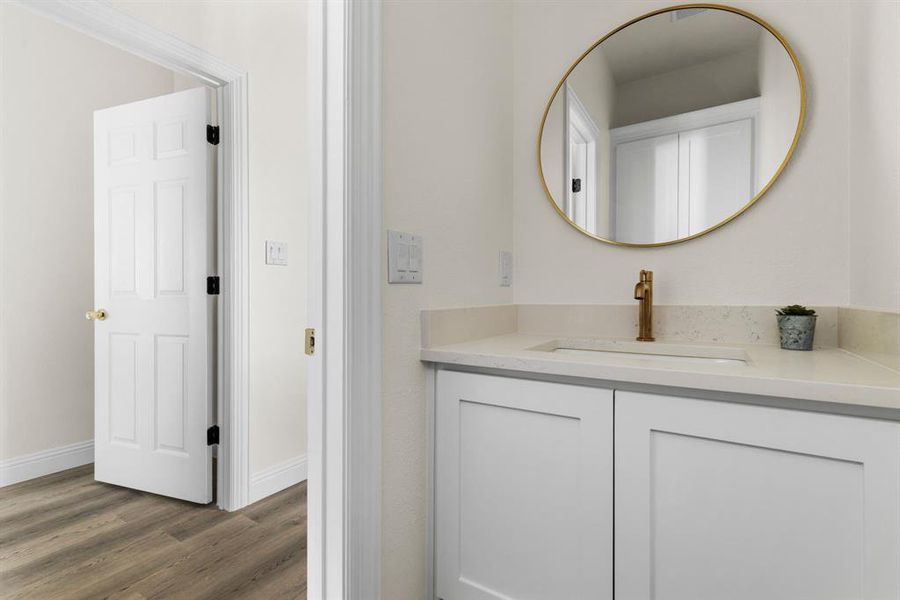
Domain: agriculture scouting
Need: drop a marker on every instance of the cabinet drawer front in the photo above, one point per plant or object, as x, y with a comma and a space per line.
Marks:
523, 489
717, 500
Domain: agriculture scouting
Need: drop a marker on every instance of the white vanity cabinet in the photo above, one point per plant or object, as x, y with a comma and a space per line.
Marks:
709, 500
523, 489
732, 501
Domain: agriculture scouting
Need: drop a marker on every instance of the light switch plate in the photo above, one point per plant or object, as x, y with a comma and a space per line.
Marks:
505, 268
404, 257
276, 253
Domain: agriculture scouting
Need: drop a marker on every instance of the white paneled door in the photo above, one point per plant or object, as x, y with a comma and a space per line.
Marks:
154, 213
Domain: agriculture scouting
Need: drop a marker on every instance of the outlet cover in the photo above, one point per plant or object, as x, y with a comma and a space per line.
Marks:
506, 268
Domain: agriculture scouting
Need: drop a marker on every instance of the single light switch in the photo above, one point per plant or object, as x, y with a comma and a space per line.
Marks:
276, 253
415, 256
404, 257
505, 268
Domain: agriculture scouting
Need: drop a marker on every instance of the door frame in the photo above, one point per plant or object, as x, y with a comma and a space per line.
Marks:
345, 308
102, 21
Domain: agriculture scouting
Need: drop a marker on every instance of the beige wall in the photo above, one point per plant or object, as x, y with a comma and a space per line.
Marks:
790, 247
267, 38
447, 176
778, 107
51, 80
874, 152
686, 89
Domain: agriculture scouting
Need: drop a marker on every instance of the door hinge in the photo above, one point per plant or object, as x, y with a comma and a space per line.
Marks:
310, 341
576, 186
212, 285
212, 435
212, 134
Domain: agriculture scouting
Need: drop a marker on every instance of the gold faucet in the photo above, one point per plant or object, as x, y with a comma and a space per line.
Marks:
643, 291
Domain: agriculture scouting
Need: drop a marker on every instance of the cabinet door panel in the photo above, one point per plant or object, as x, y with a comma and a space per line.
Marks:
717, 500
523, 489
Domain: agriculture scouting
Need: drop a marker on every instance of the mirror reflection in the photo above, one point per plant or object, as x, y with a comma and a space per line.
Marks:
671, 126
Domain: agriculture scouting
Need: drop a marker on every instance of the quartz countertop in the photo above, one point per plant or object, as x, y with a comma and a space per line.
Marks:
829, 375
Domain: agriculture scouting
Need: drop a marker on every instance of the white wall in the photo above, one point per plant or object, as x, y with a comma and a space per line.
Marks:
790, 247
51, 80
447, 176
267, 38
874, 155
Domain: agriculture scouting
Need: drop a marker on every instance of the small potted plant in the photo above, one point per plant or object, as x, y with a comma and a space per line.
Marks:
797, 325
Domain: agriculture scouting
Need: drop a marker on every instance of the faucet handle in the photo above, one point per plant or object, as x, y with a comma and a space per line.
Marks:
646, 276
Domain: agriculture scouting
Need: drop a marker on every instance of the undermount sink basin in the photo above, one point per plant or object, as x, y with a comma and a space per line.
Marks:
647, 351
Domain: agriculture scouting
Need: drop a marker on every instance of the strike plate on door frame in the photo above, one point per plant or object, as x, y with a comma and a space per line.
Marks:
310, 341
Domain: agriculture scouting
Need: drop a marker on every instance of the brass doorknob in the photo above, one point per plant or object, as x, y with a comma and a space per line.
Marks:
96, 315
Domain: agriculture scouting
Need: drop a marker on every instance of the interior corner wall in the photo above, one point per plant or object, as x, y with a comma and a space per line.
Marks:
52, 78
777, 107
683, 90
790, 247
268, 40
447, 130
874, 155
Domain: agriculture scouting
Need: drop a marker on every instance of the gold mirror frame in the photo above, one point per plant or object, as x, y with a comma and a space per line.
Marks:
800, 78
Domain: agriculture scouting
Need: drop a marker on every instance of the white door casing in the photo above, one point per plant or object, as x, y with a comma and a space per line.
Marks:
582, 140
153, 250
718, 500
523, 489
345, 286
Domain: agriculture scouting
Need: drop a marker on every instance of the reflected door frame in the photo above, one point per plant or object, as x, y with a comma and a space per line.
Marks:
580, 130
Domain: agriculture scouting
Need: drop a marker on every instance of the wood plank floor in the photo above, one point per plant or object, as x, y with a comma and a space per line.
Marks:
67, 537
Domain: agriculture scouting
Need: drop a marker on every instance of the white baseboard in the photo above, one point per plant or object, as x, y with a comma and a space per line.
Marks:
45, 462
277, 477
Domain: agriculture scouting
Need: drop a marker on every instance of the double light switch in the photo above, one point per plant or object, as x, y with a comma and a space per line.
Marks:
404, 257
276, 253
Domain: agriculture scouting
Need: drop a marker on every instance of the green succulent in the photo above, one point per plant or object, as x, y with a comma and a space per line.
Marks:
797, 310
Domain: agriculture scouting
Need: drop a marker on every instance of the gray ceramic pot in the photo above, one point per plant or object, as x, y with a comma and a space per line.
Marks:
797, 331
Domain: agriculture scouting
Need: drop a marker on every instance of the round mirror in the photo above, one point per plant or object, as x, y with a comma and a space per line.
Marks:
671, 125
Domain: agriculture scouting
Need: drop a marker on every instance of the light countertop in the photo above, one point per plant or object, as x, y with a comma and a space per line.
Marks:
827, 375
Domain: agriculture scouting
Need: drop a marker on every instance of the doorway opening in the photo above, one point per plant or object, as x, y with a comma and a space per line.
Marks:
181, 66
115, 229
